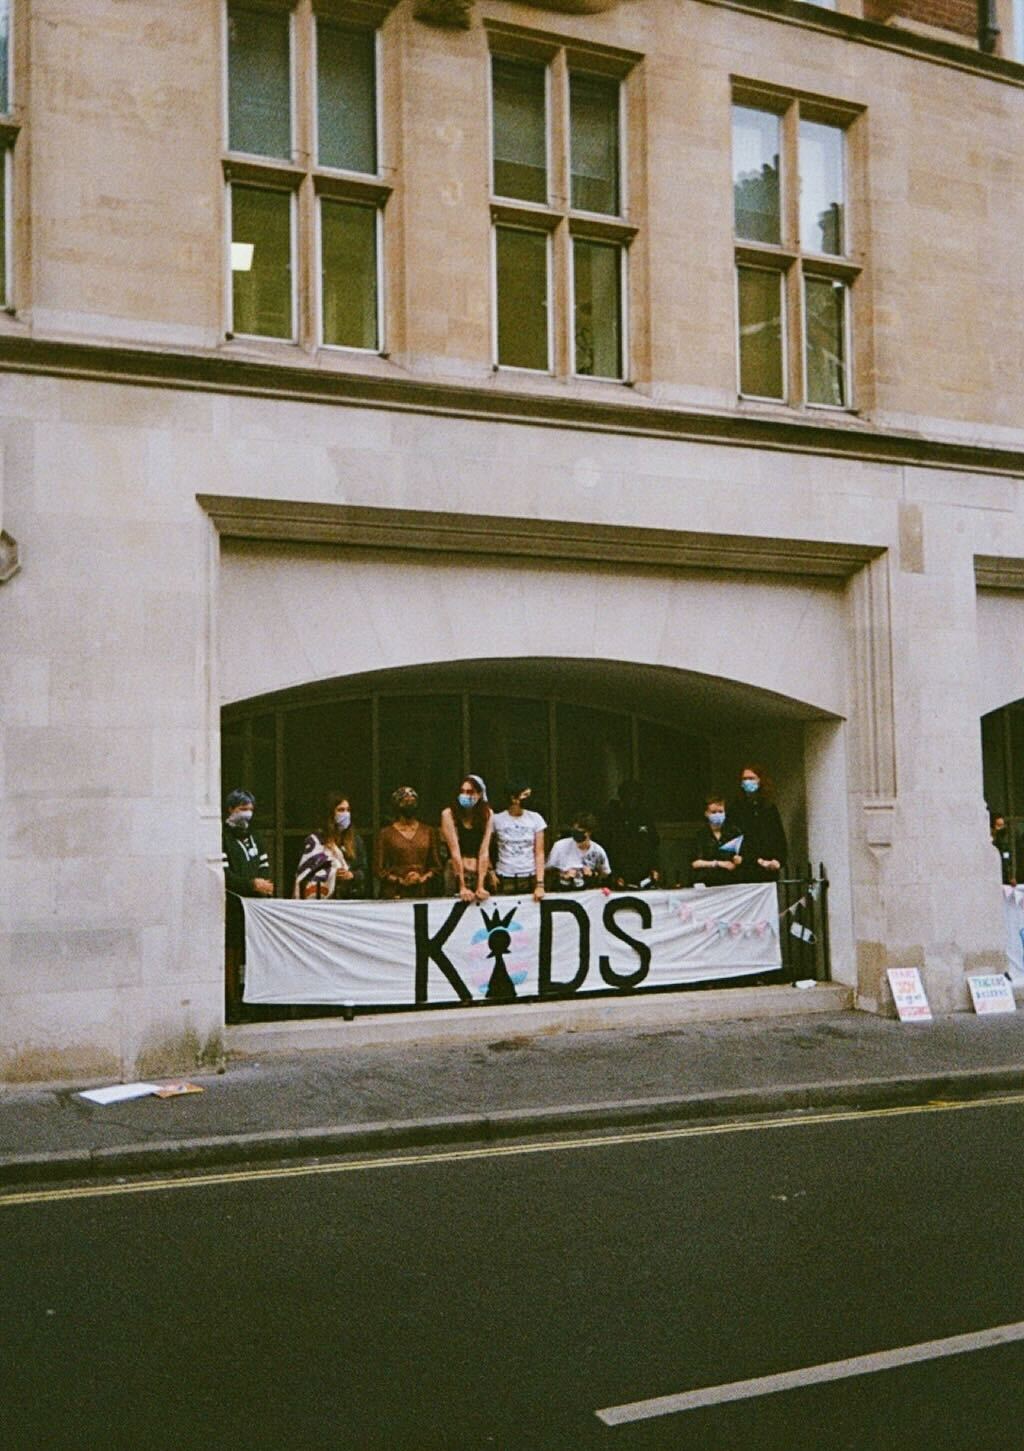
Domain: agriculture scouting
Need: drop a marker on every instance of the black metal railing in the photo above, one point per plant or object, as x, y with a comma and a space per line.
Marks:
803, 926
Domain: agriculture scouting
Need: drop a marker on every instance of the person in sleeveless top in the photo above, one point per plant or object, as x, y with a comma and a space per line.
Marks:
466, 828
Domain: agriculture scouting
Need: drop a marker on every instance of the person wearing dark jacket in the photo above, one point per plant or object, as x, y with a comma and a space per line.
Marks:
630, 838
246, 874
716, 847
756, 816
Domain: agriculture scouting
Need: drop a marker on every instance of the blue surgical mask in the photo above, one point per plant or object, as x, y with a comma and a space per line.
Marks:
343, 819
750, 786
466, 802
716, 818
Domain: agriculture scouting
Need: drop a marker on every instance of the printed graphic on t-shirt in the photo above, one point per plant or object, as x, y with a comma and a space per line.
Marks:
515, 836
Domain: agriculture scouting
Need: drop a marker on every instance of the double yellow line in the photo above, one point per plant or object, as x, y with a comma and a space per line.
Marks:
185, 1180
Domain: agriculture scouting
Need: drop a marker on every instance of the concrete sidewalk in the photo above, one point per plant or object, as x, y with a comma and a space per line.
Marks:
510, 1081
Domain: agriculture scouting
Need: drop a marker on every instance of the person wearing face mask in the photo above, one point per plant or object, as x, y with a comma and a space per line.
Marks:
333, 860
246, 874
577, 861
716, 847
755, 815
406, 859
466, 826
519, 844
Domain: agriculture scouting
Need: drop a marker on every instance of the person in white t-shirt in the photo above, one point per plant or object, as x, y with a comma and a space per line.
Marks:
577, 861
518, 836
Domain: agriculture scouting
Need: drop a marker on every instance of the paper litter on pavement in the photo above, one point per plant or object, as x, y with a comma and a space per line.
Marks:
117, 1092
175, 1090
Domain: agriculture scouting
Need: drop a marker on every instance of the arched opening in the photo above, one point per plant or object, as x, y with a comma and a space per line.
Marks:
578, 728
1002, 752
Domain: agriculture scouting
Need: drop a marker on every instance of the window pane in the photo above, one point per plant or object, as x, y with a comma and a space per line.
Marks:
1018, 29
821, 188
825, 308
327, 747
261, 262
674, 770
5, 32
755, 174
346, 98
520, 130
522, 259
760, 307
259, 84
594, 757
509, 739
349, 262
597, 288
421, 746
594, 143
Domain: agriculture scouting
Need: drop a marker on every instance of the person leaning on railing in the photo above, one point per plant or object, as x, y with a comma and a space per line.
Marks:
466, 825
519, 844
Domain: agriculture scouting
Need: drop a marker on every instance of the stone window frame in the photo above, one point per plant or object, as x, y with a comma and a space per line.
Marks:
795, 263
557, 218
304, 178
14, 162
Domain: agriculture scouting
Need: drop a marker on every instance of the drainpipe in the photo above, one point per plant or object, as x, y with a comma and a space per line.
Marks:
988, 26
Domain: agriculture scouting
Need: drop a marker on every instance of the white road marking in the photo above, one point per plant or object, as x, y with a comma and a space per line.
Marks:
788, 1380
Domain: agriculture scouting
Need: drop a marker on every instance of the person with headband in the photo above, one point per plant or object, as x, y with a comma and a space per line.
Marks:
246, 874
519, 843
333, 860
406, 859
466, 825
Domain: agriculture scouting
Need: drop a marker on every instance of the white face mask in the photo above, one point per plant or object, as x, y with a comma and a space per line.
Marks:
239, 820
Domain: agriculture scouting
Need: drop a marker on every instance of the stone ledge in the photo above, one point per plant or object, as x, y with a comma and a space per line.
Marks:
532, 1020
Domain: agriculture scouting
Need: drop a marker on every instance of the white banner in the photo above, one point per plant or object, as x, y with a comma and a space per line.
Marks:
447, 951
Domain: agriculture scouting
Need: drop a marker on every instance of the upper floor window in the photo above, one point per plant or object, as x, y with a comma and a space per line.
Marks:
794, 267
305, 190
1018, 30
561, 231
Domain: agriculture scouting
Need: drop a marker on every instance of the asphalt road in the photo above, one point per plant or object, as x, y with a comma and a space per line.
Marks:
500, 1300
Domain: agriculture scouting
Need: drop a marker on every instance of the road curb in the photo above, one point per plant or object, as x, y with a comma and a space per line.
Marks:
219, 1150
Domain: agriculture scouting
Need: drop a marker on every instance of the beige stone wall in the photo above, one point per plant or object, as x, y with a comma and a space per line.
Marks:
119, 646
123, 129
127, 626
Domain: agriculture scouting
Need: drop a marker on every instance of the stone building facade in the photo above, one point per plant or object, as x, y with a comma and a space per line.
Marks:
656, 357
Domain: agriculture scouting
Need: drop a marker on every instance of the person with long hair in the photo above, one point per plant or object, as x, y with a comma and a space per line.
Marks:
466, 828
333, 860
755, 816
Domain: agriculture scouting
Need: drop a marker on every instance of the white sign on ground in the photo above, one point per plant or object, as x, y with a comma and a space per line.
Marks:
445, 951
909, 995
991, 993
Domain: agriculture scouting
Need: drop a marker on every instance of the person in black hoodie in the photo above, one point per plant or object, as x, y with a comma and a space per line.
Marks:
755, 815
246, 874
630, 838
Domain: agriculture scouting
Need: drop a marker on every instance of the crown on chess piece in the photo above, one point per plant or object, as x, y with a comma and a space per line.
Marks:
495, 919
